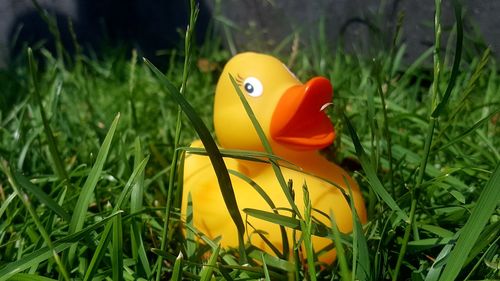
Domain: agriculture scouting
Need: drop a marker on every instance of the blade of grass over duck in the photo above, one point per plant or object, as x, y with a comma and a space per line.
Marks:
269, 201
266, 145
306, 226
207, 271
371, 174
212, 150
190, 235
361, 255
273, 261
264, 267
80, 210
255, 156
345, 273
45, 253
287, 221
51, 141
467, 236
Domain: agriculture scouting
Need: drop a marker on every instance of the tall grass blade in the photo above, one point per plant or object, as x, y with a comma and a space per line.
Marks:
371, 174
486, 204
306, 229
361, 252
51, 141
105, 236
136, 205
267, 277
269, 201
212, 150
117, 253
177, 272
80, 210
206, 272
193, 15
345, 273
456, 61
266, 145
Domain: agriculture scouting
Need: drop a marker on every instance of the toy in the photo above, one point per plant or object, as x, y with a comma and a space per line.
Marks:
291, 114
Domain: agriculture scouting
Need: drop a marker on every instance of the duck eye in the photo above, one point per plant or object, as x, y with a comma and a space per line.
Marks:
253, 86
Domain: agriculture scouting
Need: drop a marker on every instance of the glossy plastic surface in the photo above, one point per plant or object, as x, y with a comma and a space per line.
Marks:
291, 114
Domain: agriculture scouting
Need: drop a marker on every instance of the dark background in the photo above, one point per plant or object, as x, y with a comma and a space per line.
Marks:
362, 26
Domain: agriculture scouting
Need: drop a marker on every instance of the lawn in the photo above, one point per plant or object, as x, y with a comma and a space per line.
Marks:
91, 149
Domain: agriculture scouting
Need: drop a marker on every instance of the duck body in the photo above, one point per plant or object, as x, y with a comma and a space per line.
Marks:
291, 114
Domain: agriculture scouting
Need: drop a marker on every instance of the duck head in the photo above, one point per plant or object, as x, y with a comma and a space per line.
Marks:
290, 112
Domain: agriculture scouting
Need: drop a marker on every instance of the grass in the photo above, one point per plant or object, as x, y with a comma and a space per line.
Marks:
90, 148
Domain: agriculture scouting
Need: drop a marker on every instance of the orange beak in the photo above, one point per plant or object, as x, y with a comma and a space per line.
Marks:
299, 121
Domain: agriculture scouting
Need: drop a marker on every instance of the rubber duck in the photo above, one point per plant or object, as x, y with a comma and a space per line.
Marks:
292, 116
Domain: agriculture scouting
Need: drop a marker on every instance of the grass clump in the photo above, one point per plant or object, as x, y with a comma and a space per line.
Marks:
90, 167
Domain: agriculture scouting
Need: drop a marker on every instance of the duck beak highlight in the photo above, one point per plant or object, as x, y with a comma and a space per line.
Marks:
299, 121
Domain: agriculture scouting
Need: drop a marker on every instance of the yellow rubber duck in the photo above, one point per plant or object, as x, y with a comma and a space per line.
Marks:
291, 114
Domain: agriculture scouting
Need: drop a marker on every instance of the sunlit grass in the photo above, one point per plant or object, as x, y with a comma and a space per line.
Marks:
90, 167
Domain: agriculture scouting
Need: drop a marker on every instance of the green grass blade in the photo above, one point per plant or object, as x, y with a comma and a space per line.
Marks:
45, 253
193, 15
132, 181
371, 174
267, 277
345, 273
269, 201
472, 129
456, 61
270, 260
206, 272
361, 252
212, 150
318, 229
29, 277
437, 267
40, 195
105, 236
54, 152
80, 211
468, 235
99, 252
306, 229
136, 205
6, 203
177, 272
273, 217
117, 252
266, 145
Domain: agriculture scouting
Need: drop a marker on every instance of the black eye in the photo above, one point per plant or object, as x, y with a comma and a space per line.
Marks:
249, 88
253, 86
